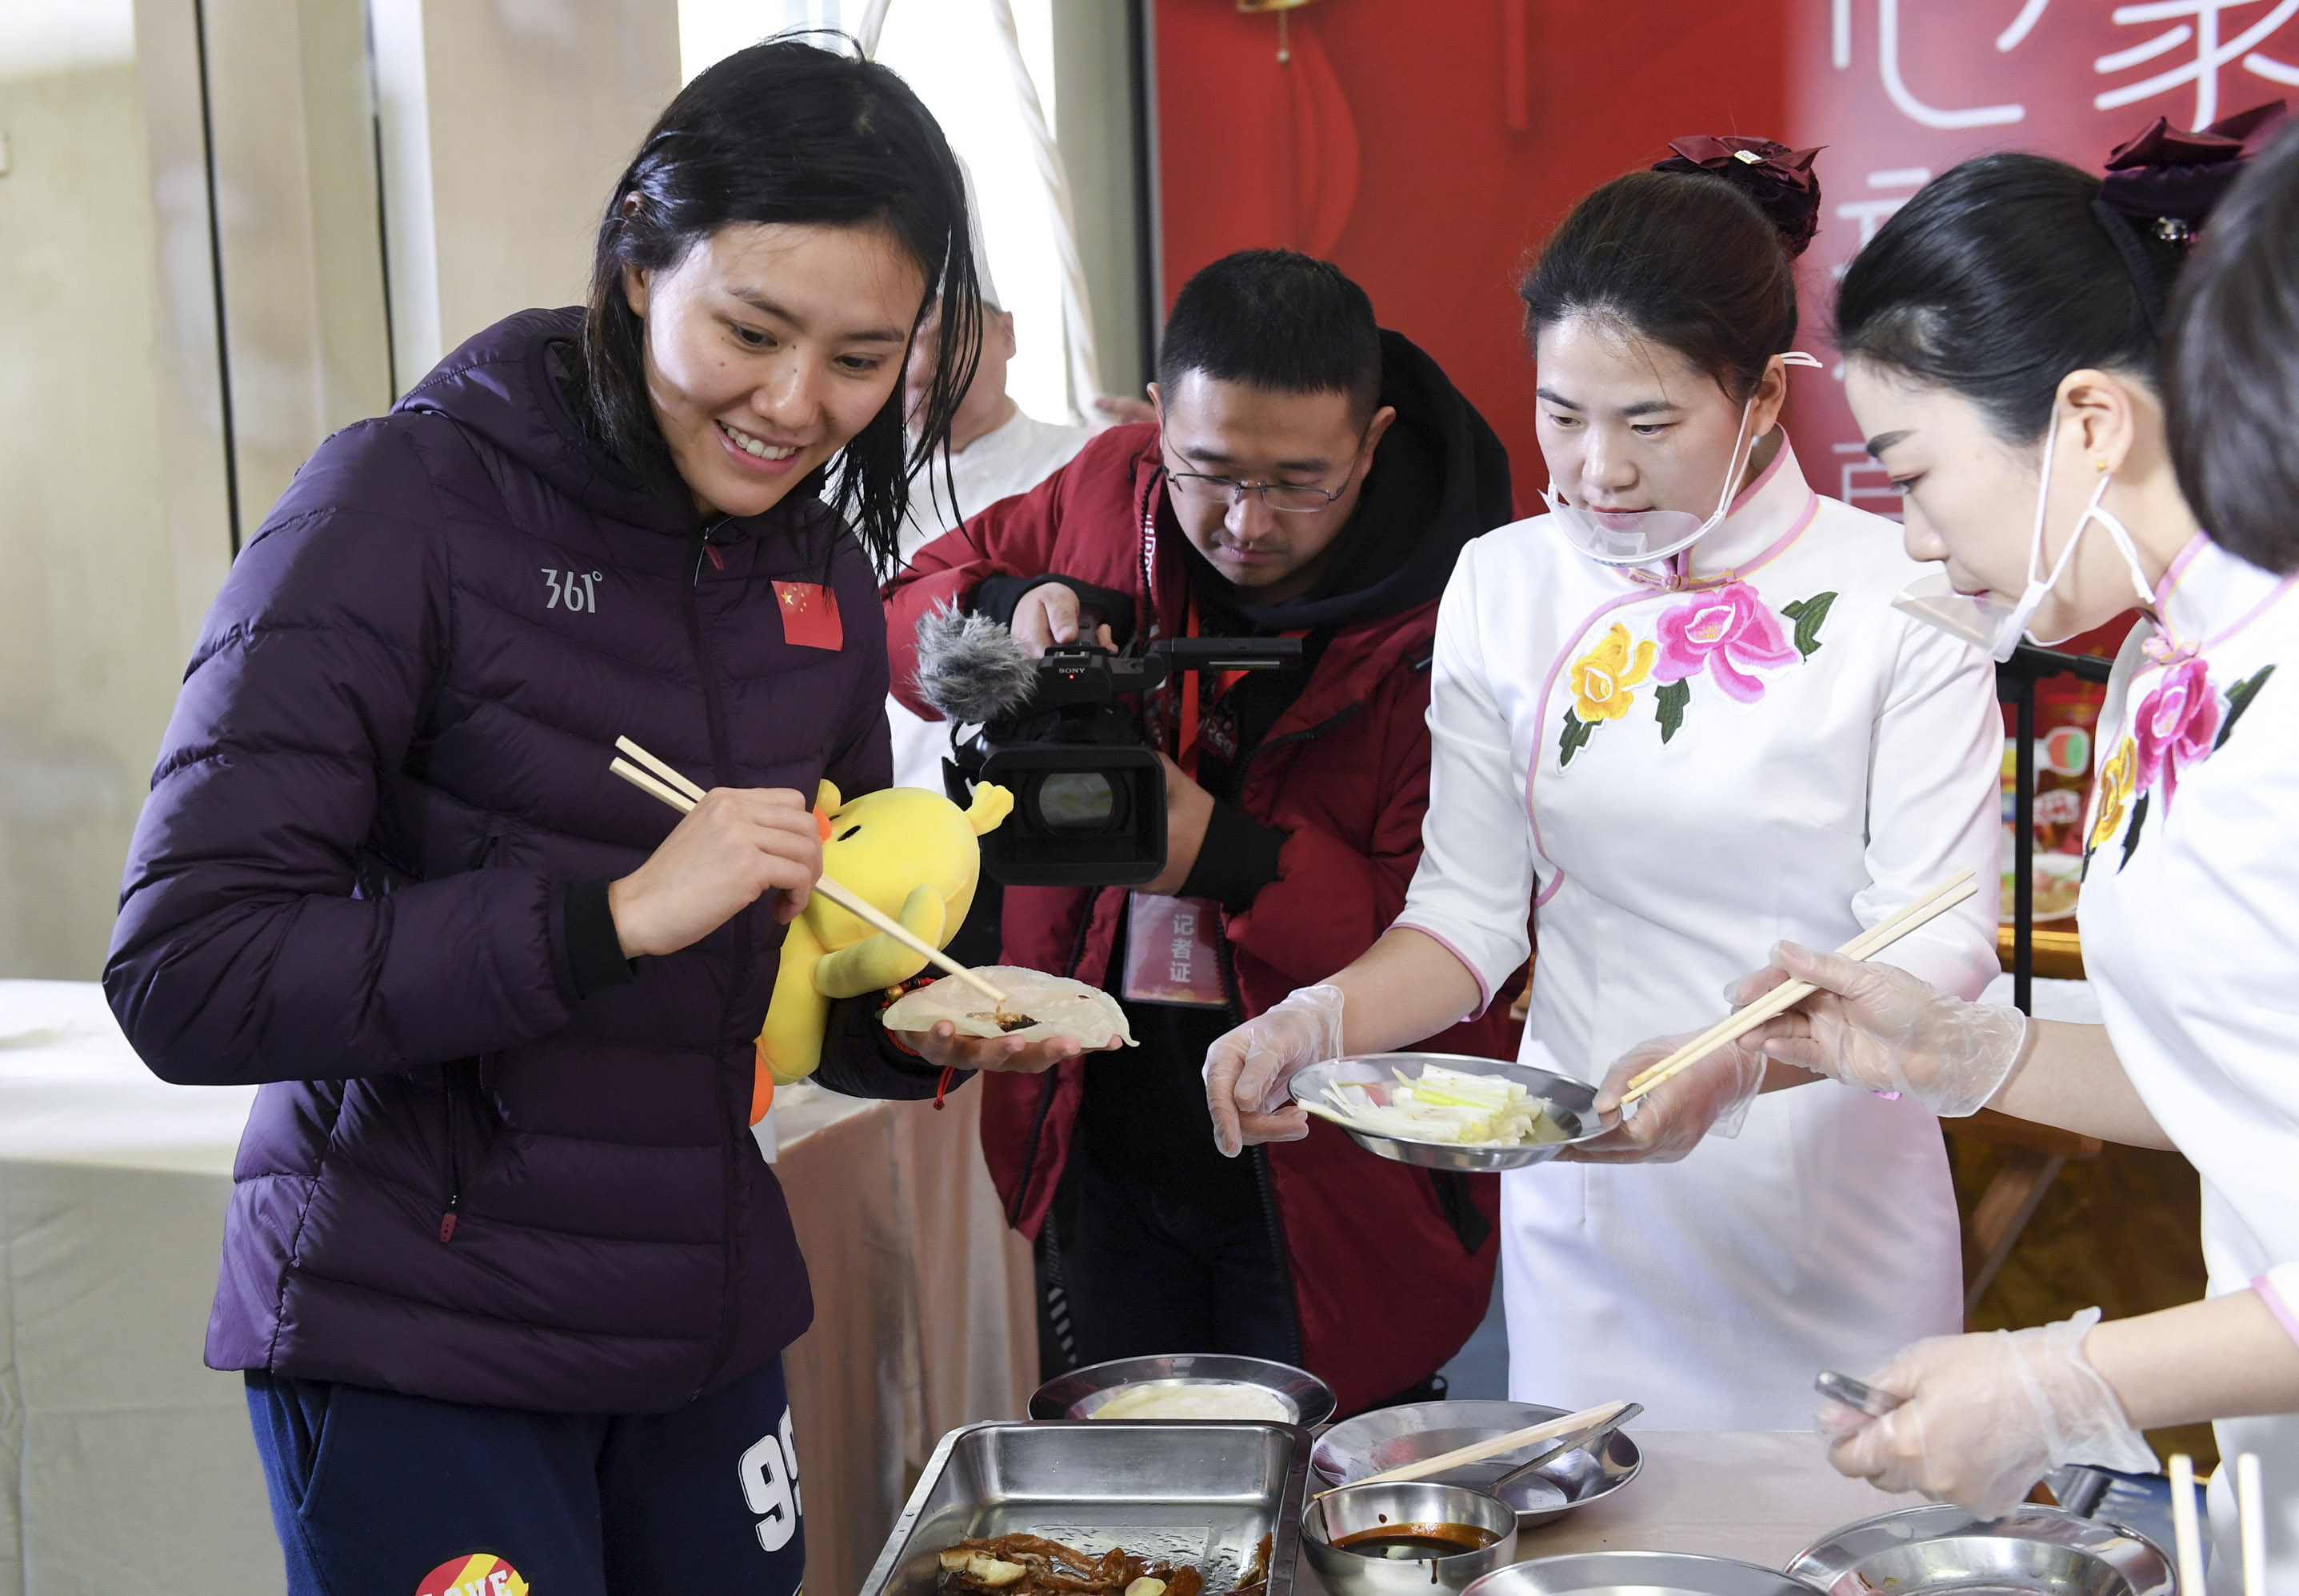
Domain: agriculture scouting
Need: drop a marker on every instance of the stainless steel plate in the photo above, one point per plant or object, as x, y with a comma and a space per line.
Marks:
1202, 1492
1941, 1548
1567, 1100
1078, 1395
1390, 1437
1637, 1574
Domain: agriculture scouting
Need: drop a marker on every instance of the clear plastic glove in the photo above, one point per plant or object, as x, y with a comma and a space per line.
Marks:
1246, 1070
1986, 1417
1880, 1028
1710, 1098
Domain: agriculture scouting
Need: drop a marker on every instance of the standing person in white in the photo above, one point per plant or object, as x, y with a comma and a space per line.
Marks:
996, 451
2006, 316
1680, 715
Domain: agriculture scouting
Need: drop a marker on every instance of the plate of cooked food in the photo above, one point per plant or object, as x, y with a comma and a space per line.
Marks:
1187, 1385
1449, 1111
1037, 1007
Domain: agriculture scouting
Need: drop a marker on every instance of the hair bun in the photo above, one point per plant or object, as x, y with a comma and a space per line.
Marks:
2173, 179
1780, 179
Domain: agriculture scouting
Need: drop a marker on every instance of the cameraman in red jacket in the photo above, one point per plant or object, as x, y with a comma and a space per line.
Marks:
1309, 474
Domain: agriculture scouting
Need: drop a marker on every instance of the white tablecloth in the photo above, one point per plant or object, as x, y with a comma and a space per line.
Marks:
125, 1465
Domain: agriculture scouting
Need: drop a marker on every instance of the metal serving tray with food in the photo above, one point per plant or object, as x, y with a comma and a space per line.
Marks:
1218, 1505
1447, 1111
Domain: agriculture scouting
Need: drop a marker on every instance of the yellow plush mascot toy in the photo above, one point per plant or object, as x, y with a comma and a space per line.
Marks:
907, 853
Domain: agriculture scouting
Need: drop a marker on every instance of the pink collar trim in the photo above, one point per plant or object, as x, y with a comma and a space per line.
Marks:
1678, 580
1764, 476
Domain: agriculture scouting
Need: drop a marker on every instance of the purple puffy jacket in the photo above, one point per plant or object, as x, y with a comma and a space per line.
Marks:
463, 1178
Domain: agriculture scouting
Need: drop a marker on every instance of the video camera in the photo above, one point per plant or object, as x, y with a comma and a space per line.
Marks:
1063, 734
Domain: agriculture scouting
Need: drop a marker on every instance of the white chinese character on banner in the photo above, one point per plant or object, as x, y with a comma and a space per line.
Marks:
2205, 32
1896, 87
2205, 52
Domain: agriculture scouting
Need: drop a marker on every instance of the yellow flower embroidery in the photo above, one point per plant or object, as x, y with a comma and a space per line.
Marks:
2114, 792
1602, 678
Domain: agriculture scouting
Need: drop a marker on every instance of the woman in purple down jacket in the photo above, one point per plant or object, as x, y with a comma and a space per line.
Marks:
507, 1274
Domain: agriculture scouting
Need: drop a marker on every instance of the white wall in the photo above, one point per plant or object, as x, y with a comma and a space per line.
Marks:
90, 647
505, 123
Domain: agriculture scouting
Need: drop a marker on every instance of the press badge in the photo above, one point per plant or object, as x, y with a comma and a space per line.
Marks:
1173, 951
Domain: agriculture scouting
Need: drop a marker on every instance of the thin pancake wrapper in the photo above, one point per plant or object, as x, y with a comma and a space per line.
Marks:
1054, 1005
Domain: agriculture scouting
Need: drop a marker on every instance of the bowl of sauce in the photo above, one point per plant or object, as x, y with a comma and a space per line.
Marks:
1407, 1539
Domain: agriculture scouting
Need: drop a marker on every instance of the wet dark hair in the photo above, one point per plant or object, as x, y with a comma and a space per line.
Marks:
2001, 276
1279, 320
1689, 259
788, 131
2231, 366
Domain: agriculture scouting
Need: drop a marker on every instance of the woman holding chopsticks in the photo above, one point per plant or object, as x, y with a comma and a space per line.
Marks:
1679, 714
507, 1274
2001, 332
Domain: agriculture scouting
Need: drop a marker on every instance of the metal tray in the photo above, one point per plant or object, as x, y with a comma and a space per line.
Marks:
1076, 1394
1390, 1437
1941, 1548
1201, 1491
1637, 1574
1569, 1103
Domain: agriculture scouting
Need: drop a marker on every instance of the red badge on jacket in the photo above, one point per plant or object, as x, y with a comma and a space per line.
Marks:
809, 615
473, 1573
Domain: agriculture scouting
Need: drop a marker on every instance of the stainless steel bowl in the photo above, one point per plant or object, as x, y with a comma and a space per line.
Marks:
1567, 1100
1940, 1547
1357, 1509
1637, 1573
1308, 1399
1390, 1437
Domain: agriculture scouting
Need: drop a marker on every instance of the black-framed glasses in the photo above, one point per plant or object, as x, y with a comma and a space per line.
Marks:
1286, 498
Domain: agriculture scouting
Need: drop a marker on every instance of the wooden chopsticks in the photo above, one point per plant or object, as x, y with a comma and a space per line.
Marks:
1479, 1452
1934, 904
660, 780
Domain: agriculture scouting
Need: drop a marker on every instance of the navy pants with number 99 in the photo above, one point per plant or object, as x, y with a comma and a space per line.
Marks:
379, 1494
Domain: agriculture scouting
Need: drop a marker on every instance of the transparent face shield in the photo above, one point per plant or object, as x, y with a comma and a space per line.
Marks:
1639, 537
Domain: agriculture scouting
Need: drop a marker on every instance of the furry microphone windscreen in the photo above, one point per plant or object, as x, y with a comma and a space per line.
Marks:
970, 669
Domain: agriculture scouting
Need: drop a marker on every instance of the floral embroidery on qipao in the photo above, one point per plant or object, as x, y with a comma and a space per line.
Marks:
1602, 679
1728, 631
2183, 721
2175, 727
2114, 793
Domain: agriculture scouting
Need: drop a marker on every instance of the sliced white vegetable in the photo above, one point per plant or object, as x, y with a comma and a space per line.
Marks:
1448, 1106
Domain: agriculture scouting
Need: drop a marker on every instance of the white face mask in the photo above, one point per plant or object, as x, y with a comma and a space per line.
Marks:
1998, 624
1639, 537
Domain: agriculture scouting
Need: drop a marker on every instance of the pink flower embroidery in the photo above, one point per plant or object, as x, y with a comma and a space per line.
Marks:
2176, 725
1732, 632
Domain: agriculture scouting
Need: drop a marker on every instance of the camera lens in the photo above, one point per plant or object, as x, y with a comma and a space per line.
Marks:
1078, 802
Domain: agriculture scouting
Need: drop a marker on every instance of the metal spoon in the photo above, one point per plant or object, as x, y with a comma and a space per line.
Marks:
1589, 1438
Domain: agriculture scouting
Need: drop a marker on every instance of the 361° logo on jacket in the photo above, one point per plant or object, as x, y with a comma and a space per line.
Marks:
573, 589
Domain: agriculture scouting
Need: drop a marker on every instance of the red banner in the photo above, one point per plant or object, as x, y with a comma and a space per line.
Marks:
1901, 90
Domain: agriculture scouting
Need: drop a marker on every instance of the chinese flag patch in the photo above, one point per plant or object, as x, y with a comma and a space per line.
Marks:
809, 615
